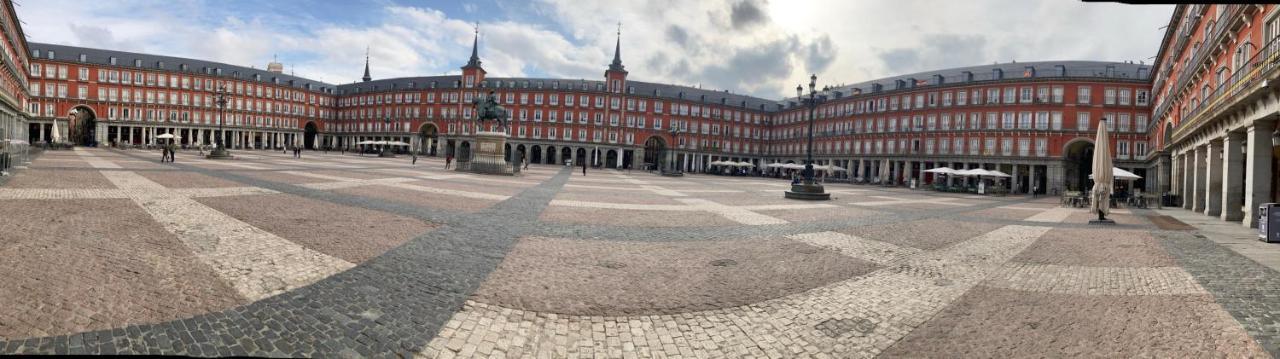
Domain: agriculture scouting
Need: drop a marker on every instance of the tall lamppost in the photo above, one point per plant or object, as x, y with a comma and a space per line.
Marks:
220, 149
386, 121
809, 189
675, 170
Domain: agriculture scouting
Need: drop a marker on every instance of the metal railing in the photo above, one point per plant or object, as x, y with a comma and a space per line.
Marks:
1214, 34
1251, 72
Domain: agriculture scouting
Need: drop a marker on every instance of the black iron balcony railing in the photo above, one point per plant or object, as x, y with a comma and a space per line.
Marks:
1257, 69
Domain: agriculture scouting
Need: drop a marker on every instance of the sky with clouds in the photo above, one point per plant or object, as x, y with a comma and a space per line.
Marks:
757, 47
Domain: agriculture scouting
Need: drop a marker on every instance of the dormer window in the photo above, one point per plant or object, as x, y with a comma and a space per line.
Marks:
83, 58
51, 54
112, 60
137, 63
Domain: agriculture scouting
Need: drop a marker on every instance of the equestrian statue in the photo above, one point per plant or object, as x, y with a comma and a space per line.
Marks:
487, 108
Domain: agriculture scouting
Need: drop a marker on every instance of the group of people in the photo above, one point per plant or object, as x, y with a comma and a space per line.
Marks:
167, 152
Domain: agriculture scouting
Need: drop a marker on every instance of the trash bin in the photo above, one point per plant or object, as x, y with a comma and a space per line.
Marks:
1269, 222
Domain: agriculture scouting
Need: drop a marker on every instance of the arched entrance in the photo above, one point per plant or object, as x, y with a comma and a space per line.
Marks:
464, 151
654, 152
84, 126
566, 154
513, 157
535, 154
1079, 164
427, 134
310, 131
582, 158
611, 159
551, 155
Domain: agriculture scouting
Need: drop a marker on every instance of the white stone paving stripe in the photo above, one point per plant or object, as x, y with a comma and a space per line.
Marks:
736, 214
1020, 208
222, 192
94, 160
877, 252
257, 263
779, 207
396, 182
893, 202
870, 312
1095, 280
1053, 215
58, 193
630, 206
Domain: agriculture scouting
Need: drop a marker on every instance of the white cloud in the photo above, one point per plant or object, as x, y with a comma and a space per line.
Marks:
745, 46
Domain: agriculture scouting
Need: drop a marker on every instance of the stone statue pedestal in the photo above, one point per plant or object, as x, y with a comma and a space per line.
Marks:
488, 155
807, 191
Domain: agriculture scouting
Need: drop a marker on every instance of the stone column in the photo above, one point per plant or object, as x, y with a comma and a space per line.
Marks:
1213, 179
1199, 184
1188, 180
920, 174
1258, 169
1031, 177
1232, 181
1015, 180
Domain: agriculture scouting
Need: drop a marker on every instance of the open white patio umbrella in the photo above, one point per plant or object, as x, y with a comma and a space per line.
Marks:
395, 143
168, 135
941, 170
774, 165
1103, 176
997, 174
745, 164
1121, 174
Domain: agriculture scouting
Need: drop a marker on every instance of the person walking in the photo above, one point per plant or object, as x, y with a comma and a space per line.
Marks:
173, 151
415, 158
584, 168
526, 161
448, 159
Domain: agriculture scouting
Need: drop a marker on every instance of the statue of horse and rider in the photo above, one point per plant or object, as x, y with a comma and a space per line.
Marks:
487, 108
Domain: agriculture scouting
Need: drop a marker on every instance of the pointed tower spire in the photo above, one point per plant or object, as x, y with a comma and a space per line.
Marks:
366, 77
617, 53
475, 52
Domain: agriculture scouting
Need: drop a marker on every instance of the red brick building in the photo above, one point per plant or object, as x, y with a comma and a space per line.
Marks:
13, 84
1032, 120
1215, 111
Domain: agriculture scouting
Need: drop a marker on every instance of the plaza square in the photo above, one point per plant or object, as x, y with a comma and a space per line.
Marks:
489, 180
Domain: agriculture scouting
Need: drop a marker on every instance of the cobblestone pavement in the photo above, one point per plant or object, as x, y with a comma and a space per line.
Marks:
112, 252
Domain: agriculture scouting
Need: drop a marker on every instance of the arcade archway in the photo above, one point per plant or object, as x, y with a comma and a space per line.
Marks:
83, 126
654, 150
428, 134
1078, 164
310, 131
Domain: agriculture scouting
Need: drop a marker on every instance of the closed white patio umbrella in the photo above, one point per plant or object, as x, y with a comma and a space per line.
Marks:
1100, 201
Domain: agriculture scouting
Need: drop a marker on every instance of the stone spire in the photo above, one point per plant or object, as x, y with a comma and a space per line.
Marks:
475, 52
366, 77
617, 53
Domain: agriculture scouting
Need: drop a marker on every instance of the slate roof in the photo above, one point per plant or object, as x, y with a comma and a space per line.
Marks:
125, 60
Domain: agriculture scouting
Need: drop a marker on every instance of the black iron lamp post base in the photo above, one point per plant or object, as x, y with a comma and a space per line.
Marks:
809, 192
1102, 220
219, 154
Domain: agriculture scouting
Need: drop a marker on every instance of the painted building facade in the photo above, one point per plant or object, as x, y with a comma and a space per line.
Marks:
1215, 108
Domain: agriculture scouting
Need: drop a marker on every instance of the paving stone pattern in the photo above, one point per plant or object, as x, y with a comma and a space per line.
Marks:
613, 264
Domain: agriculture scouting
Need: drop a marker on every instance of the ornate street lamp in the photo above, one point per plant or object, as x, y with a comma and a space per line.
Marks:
675, 170
386, 121
809, 189
220, 149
